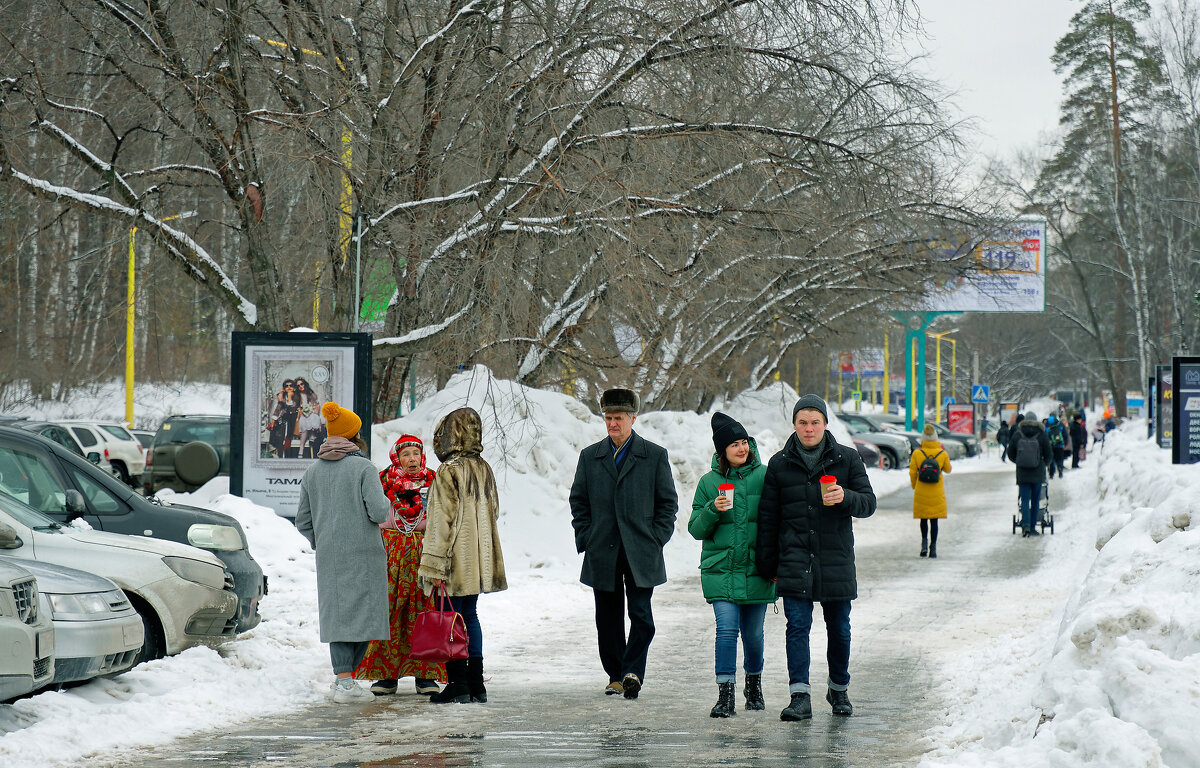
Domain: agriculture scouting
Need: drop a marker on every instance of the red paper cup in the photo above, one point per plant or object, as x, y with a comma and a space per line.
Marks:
826, 481
726, 490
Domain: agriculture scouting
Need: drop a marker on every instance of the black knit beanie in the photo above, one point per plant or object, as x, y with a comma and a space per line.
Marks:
726, 431
810, 401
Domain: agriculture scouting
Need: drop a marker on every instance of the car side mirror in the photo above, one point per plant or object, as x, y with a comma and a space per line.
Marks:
74, 502
9, 538
94, 457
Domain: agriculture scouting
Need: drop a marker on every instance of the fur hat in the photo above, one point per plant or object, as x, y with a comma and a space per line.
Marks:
1031, 416
929, 431
811, 401
614, 400
340, 422
726, 431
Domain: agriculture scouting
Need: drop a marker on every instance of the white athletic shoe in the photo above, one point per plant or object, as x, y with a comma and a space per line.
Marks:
345, 691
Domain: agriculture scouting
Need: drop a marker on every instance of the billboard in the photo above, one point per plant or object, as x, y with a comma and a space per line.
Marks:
280, 381
960, 418
1185, 415
1164, 401
1007, 273
862, 362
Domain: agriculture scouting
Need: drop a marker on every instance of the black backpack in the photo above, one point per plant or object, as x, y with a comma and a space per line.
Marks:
928, 471
1029, 452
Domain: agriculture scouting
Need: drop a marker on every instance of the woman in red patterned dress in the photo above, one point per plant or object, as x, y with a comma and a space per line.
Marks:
405, 483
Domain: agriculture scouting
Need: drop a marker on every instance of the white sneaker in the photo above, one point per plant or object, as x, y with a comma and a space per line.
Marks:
345, 691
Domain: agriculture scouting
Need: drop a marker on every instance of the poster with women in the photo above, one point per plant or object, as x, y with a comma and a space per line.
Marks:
280, 382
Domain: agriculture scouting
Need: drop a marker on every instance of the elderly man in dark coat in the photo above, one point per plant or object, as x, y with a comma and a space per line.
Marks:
623, 507
813, 489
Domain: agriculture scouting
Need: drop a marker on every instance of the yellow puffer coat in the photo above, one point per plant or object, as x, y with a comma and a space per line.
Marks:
929, 499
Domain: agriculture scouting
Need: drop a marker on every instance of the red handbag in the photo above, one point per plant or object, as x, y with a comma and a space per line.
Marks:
439, 633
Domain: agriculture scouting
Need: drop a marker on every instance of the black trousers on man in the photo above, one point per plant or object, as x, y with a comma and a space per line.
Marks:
618, 655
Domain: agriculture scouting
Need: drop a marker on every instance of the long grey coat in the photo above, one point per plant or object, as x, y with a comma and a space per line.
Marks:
634, 509
341, 506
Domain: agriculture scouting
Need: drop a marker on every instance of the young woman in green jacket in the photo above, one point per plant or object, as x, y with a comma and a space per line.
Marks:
725, 519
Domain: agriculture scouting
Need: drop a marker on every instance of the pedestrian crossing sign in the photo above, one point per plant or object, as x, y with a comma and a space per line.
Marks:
979, 393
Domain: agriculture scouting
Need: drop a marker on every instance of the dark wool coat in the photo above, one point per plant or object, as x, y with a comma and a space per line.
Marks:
727, 570
1031, 475
810, 547
634, 509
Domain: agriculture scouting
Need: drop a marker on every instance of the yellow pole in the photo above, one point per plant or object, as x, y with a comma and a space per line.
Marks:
129, 305
954, 369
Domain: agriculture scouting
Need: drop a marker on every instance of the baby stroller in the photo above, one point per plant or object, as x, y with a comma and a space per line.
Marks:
1044, 519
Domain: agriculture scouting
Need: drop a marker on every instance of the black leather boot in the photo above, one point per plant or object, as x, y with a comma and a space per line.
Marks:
933, 550
753, 693
840, 701
800, 708
456, 689
924, 546
475, 680
724, 706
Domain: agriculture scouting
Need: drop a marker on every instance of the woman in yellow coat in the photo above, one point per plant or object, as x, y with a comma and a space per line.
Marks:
929, 497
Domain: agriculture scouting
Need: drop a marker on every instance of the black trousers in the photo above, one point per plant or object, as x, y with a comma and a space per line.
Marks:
619, 655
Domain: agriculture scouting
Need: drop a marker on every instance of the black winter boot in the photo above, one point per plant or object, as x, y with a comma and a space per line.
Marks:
924, 546
799, 709
753, 692
840, 701
456, 689
933, 550
475, 680
725, 706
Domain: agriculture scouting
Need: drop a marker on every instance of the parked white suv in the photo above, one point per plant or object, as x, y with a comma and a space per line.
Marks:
184, 595
119, 450
26, 634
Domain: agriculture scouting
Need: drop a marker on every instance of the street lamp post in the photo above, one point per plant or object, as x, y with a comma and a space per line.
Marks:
130, 304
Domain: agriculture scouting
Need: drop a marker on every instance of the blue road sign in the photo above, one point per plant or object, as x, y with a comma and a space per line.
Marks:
979, 393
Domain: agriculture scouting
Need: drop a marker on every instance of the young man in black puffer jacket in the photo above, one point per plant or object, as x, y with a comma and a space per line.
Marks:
806, 542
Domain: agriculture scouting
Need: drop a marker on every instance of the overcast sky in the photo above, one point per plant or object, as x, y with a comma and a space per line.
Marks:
996, 55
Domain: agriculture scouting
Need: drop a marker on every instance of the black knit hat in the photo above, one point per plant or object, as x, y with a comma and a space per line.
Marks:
810, 401
726, 432
619, 400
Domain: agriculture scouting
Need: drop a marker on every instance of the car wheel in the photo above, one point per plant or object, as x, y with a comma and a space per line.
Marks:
153, 647
123, 474
197, 462
887, 459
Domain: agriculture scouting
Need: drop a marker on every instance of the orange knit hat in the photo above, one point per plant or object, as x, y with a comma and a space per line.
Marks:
341, 422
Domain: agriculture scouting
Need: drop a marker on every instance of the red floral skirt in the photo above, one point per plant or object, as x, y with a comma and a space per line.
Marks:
388, 659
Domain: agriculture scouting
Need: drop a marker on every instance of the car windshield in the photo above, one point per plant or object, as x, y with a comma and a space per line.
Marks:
213, 433
27, 515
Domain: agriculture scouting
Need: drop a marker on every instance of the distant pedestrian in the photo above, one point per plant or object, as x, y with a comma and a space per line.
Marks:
1056, 432
1078, 439
1029, 450
341, 507
1002, 434
461, 550
926, 474
623, 508
806, 541
727, 526
405, 482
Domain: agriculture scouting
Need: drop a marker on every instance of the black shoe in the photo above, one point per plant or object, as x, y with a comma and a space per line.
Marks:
425, 686
753, 693
1034, 532
724, 706
632, 684
924, 547
933, 550
840, 701
799, 709
475, 680
456, 689
383, 687
1024, 533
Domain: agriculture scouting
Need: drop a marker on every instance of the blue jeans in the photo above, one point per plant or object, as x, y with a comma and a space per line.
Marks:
837, 628
466, 605
731, 618
1031, 497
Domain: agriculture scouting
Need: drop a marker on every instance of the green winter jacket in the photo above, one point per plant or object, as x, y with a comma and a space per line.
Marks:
727, 570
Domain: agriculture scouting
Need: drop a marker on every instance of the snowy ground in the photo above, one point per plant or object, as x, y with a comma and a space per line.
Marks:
1111, 680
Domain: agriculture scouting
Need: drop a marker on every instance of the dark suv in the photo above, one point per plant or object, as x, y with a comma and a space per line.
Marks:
65, 486
187, 452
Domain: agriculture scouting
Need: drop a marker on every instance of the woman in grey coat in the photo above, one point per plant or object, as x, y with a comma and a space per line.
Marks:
341, 506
